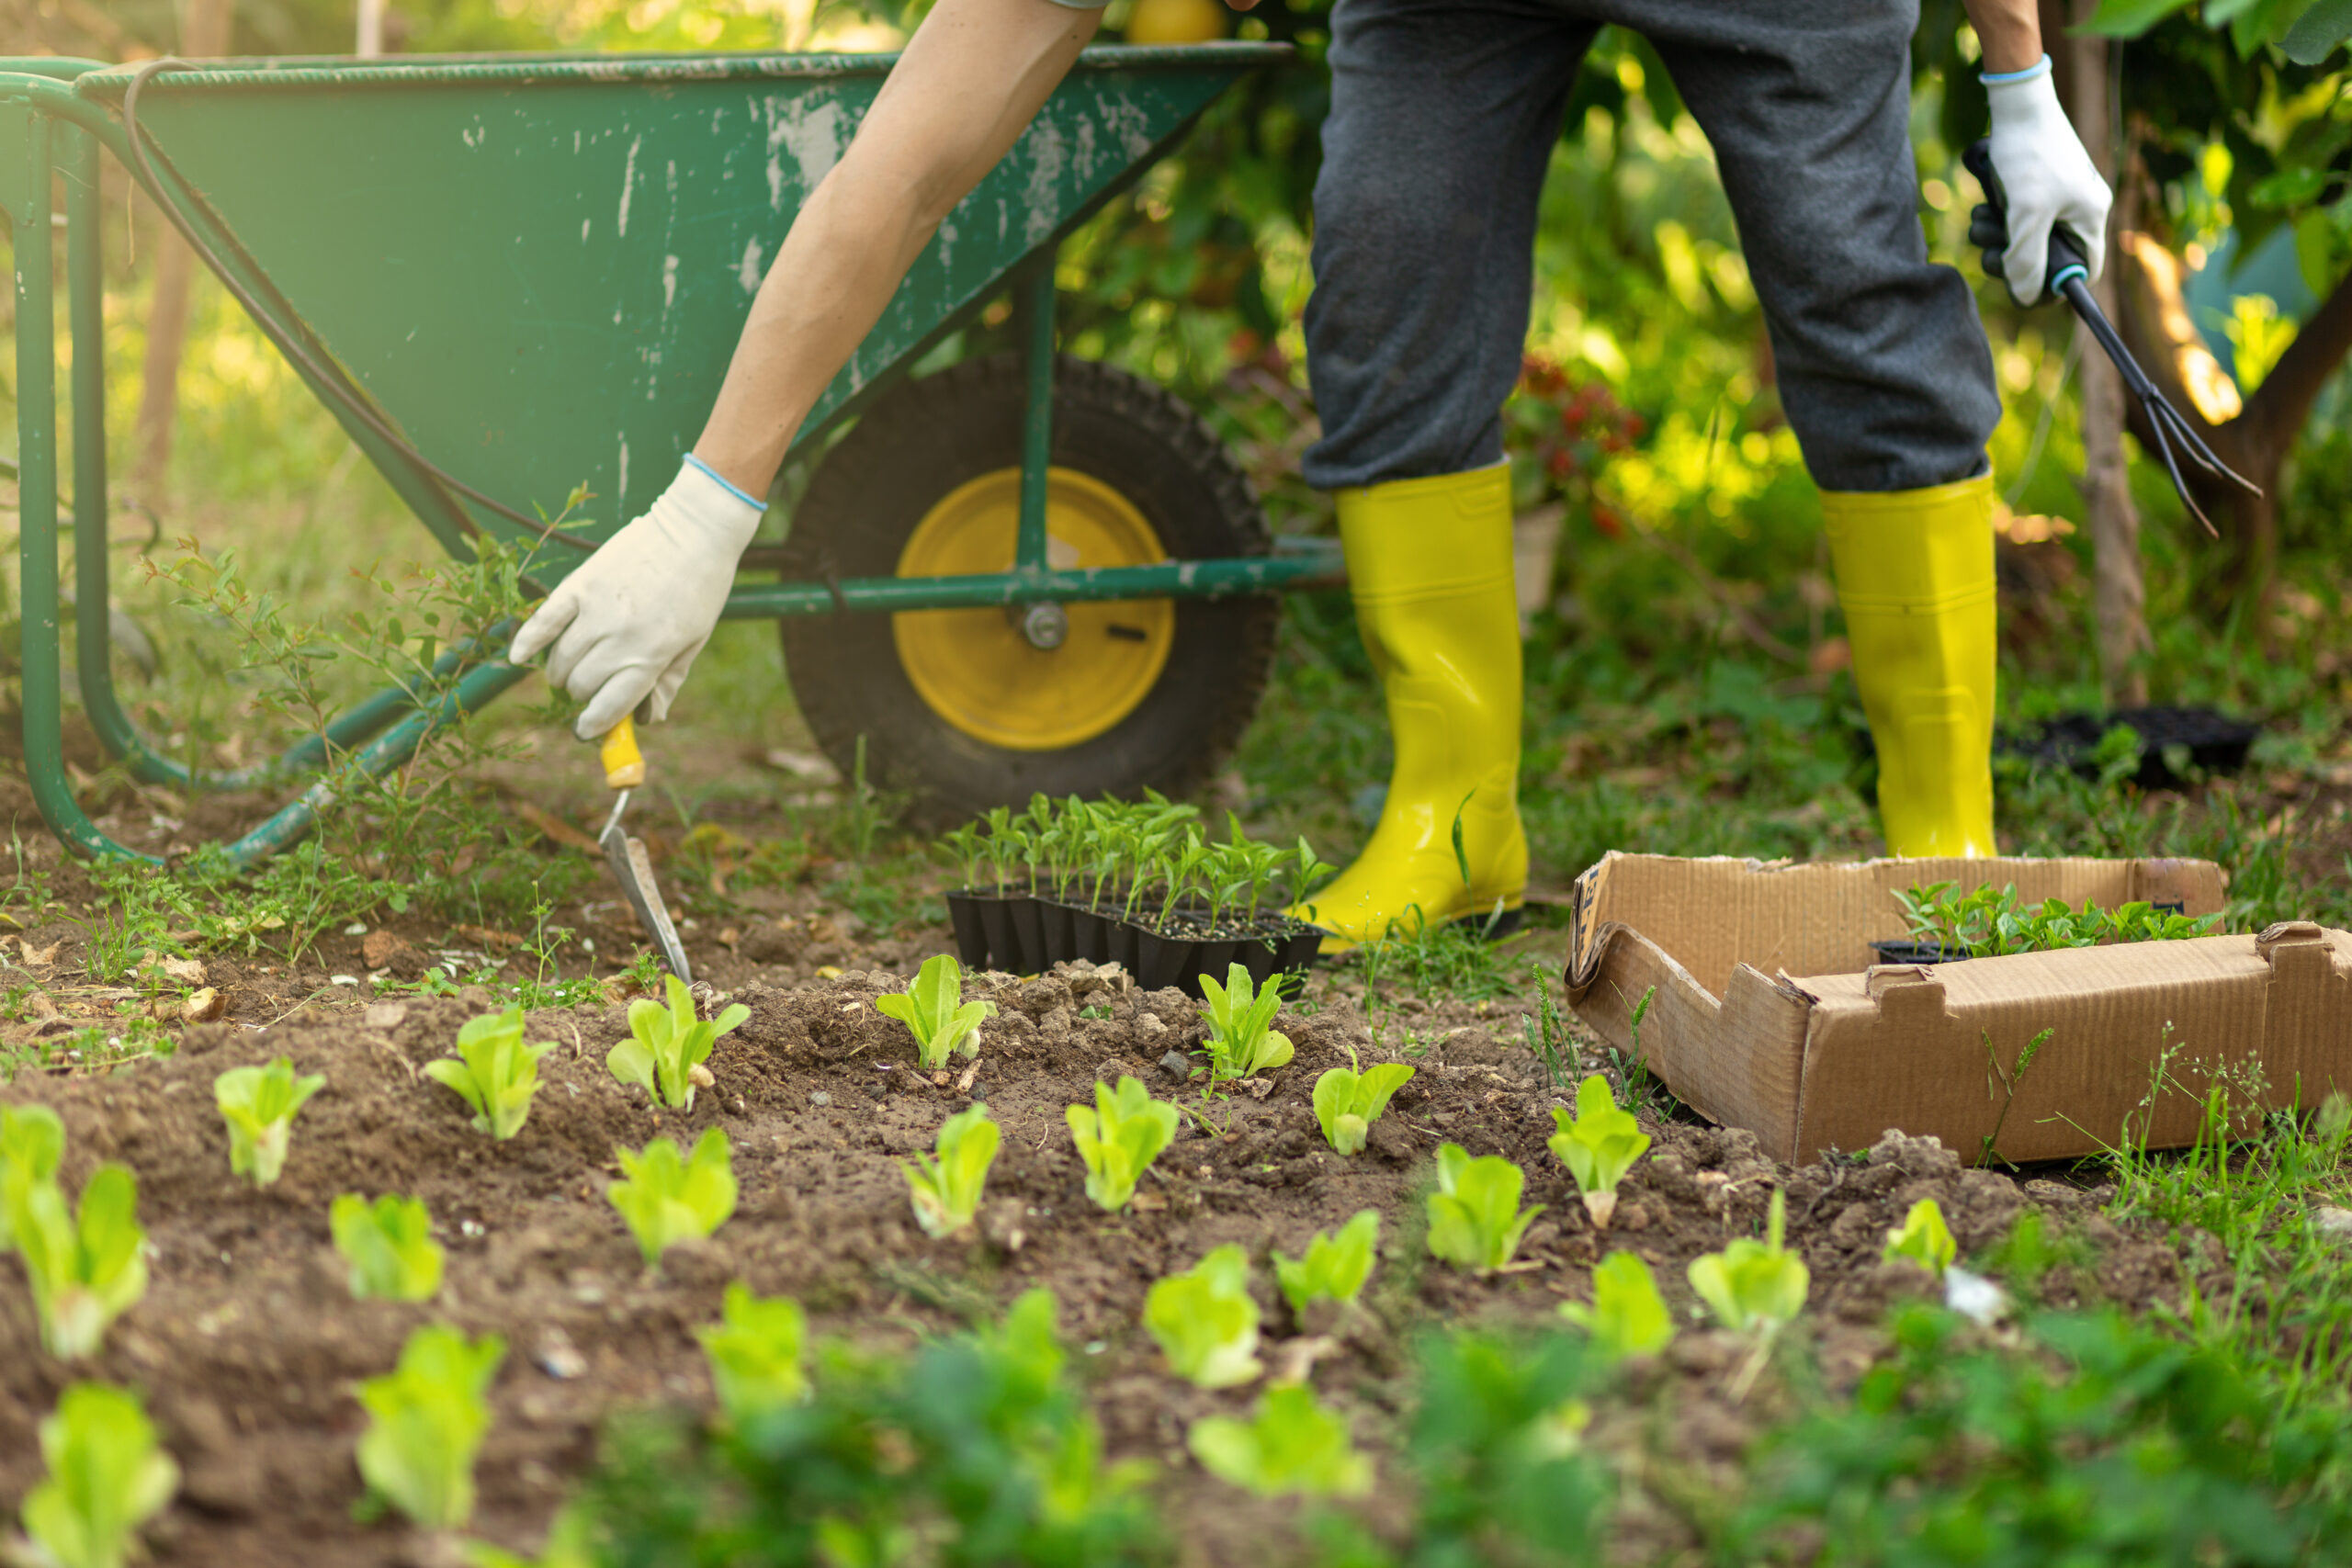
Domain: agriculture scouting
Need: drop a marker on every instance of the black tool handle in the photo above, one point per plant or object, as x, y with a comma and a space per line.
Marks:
2065, 263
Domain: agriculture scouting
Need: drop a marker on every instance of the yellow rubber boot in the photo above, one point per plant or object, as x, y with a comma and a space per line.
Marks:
1915, 578
1429, 565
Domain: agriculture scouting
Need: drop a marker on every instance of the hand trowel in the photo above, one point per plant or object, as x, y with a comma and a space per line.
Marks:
624, 771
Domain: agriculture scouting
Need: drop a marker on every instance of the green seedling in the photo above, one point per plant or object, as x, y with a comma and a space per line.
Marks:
426, 1420
1240, 1044
1292, 1447
1627, 1317
667, 1199
1599, 1145
494, 1071
1347, 1102
107, 1477
390, 1246
1924, 1238
933, 1010
87, 1270
1122, 1135
1754, 1286
1336, 1265
1474, 1218
259, 1104
946, 1187
32, 1140
667, 1046
758, 1353
1206, 1321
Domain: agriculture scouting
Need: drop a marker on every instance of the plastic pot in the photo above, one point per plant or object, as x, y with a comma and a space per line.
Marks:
1059, 944
1214, 959
964, 913
996, 924
1160, 960
1090, 934
1300, 947
1909, 951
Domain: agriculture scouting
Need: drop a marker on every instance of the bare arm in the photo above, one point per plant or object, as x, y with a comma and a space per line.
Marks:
971, 79
2010, 32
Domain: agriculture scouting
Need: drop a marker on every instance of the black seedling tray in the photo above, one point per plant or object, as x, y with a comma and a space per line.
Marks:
1907, 951
1028, 936
2216, 743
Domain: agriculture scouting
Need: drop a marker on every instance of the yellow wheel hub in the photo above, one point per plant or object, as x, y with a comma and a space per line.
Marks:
976, 667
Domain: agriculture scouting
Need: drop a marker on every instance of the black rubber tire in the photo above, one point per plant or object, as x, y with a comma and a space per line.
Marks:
925, 438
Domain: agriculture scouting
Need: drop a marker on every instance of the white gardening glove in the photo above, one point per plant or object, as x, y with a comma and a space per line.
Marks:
2049, 179
628, 624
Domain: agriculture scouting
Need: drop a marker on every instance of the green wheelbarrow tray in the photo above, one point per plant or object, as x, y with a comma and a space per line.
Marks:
512, 275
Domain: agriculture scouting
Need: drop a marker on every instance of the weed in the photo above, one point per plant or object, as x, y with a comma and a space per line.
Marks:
2007, 1082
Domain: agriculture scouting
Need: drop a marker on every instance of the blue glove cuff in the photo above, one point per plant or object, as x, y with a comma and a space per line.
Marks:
2041, 68
696, 462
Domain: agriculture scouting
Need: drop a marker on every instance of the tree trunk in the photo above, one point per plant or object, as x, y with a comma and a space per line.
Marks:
204, 31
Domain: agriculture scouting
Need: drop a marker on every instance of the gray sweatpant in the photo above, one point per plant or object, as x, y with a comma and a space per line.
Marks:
1444, 114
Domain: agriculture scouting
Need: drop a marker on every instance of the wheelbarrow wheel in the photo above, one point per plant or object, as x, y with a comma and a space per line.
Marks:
960, 706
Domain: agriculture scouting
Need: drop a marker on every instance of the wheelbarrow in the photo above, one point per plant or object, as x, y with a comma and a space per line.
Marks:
509, 276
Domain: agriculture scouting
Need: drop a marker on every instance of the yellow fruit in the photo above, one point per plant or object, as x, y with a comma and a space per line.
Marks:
1175, 21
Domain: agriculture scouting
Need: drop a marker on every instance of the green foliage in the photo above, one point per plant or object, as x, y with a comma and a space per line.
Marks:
390, 1246
1754, 1286
86, 1269
1122, 1135
1627, 1317
1989, 921
1336, 1266
259, 1104
1599, 1145
947, 1189
107, 1477
1206, 1321
427, 1421
32, 1140
494, 1071
1240, 1044
933, 1010
1292, 1447
1475, 1221
758, 1353
666, 1044
1924, 1238
1347, 1102
667, 1199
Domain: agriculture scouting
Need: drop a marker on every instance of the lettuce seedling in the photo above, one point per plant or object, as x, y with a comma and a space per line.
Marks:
1336, 1265
1598, 1147
1924, 1238
1754, 1286
934, 1012
667, 1199
494, 1071
1118, 1138
1474, 1218
259, 1104
426, 1420
666, 1044
1206, 1321
1294, 1446
32, 1140
1627, 1317
758, 1353
947, 1189
390, 1246
86, 1272
1348, 1103
107, 1477
1240, 1044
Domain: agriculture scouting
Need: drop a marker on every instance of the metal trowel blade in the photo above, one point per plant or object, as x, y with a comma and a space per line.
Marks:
634, 871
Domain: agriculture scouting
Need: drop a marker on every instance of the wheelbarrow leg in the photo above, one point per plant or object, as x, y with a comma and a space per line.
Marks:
1036, 311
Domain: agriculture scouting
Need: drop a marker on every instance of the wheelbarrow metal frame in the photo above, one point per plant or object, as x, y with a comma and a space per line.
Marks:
49, 128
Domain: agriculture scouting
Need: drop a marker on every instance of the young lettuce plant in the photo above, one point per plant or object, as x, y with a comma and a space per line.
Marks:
1240, 1042
1627, 1317
946, 1187
427, 1419
1754, 1288
667, 1199
758, 1353
85, 1270
32, 1140
1347, 1102
1598, 1147
258, 1104
1475, 1221
667, 1046
1293, 1446
390, 1246
934, 1012
1336, 1266
494, 1071
1206, 1321
1123, 1133
1924, 1238
107, 1477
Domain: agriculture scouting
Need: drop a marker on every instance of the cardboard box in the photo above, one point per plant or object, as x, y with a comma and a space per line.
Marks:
1769, 1013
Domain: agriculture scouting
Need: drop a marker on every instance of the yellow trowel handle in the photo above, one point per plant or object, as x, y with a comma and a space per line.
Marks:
624, 763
